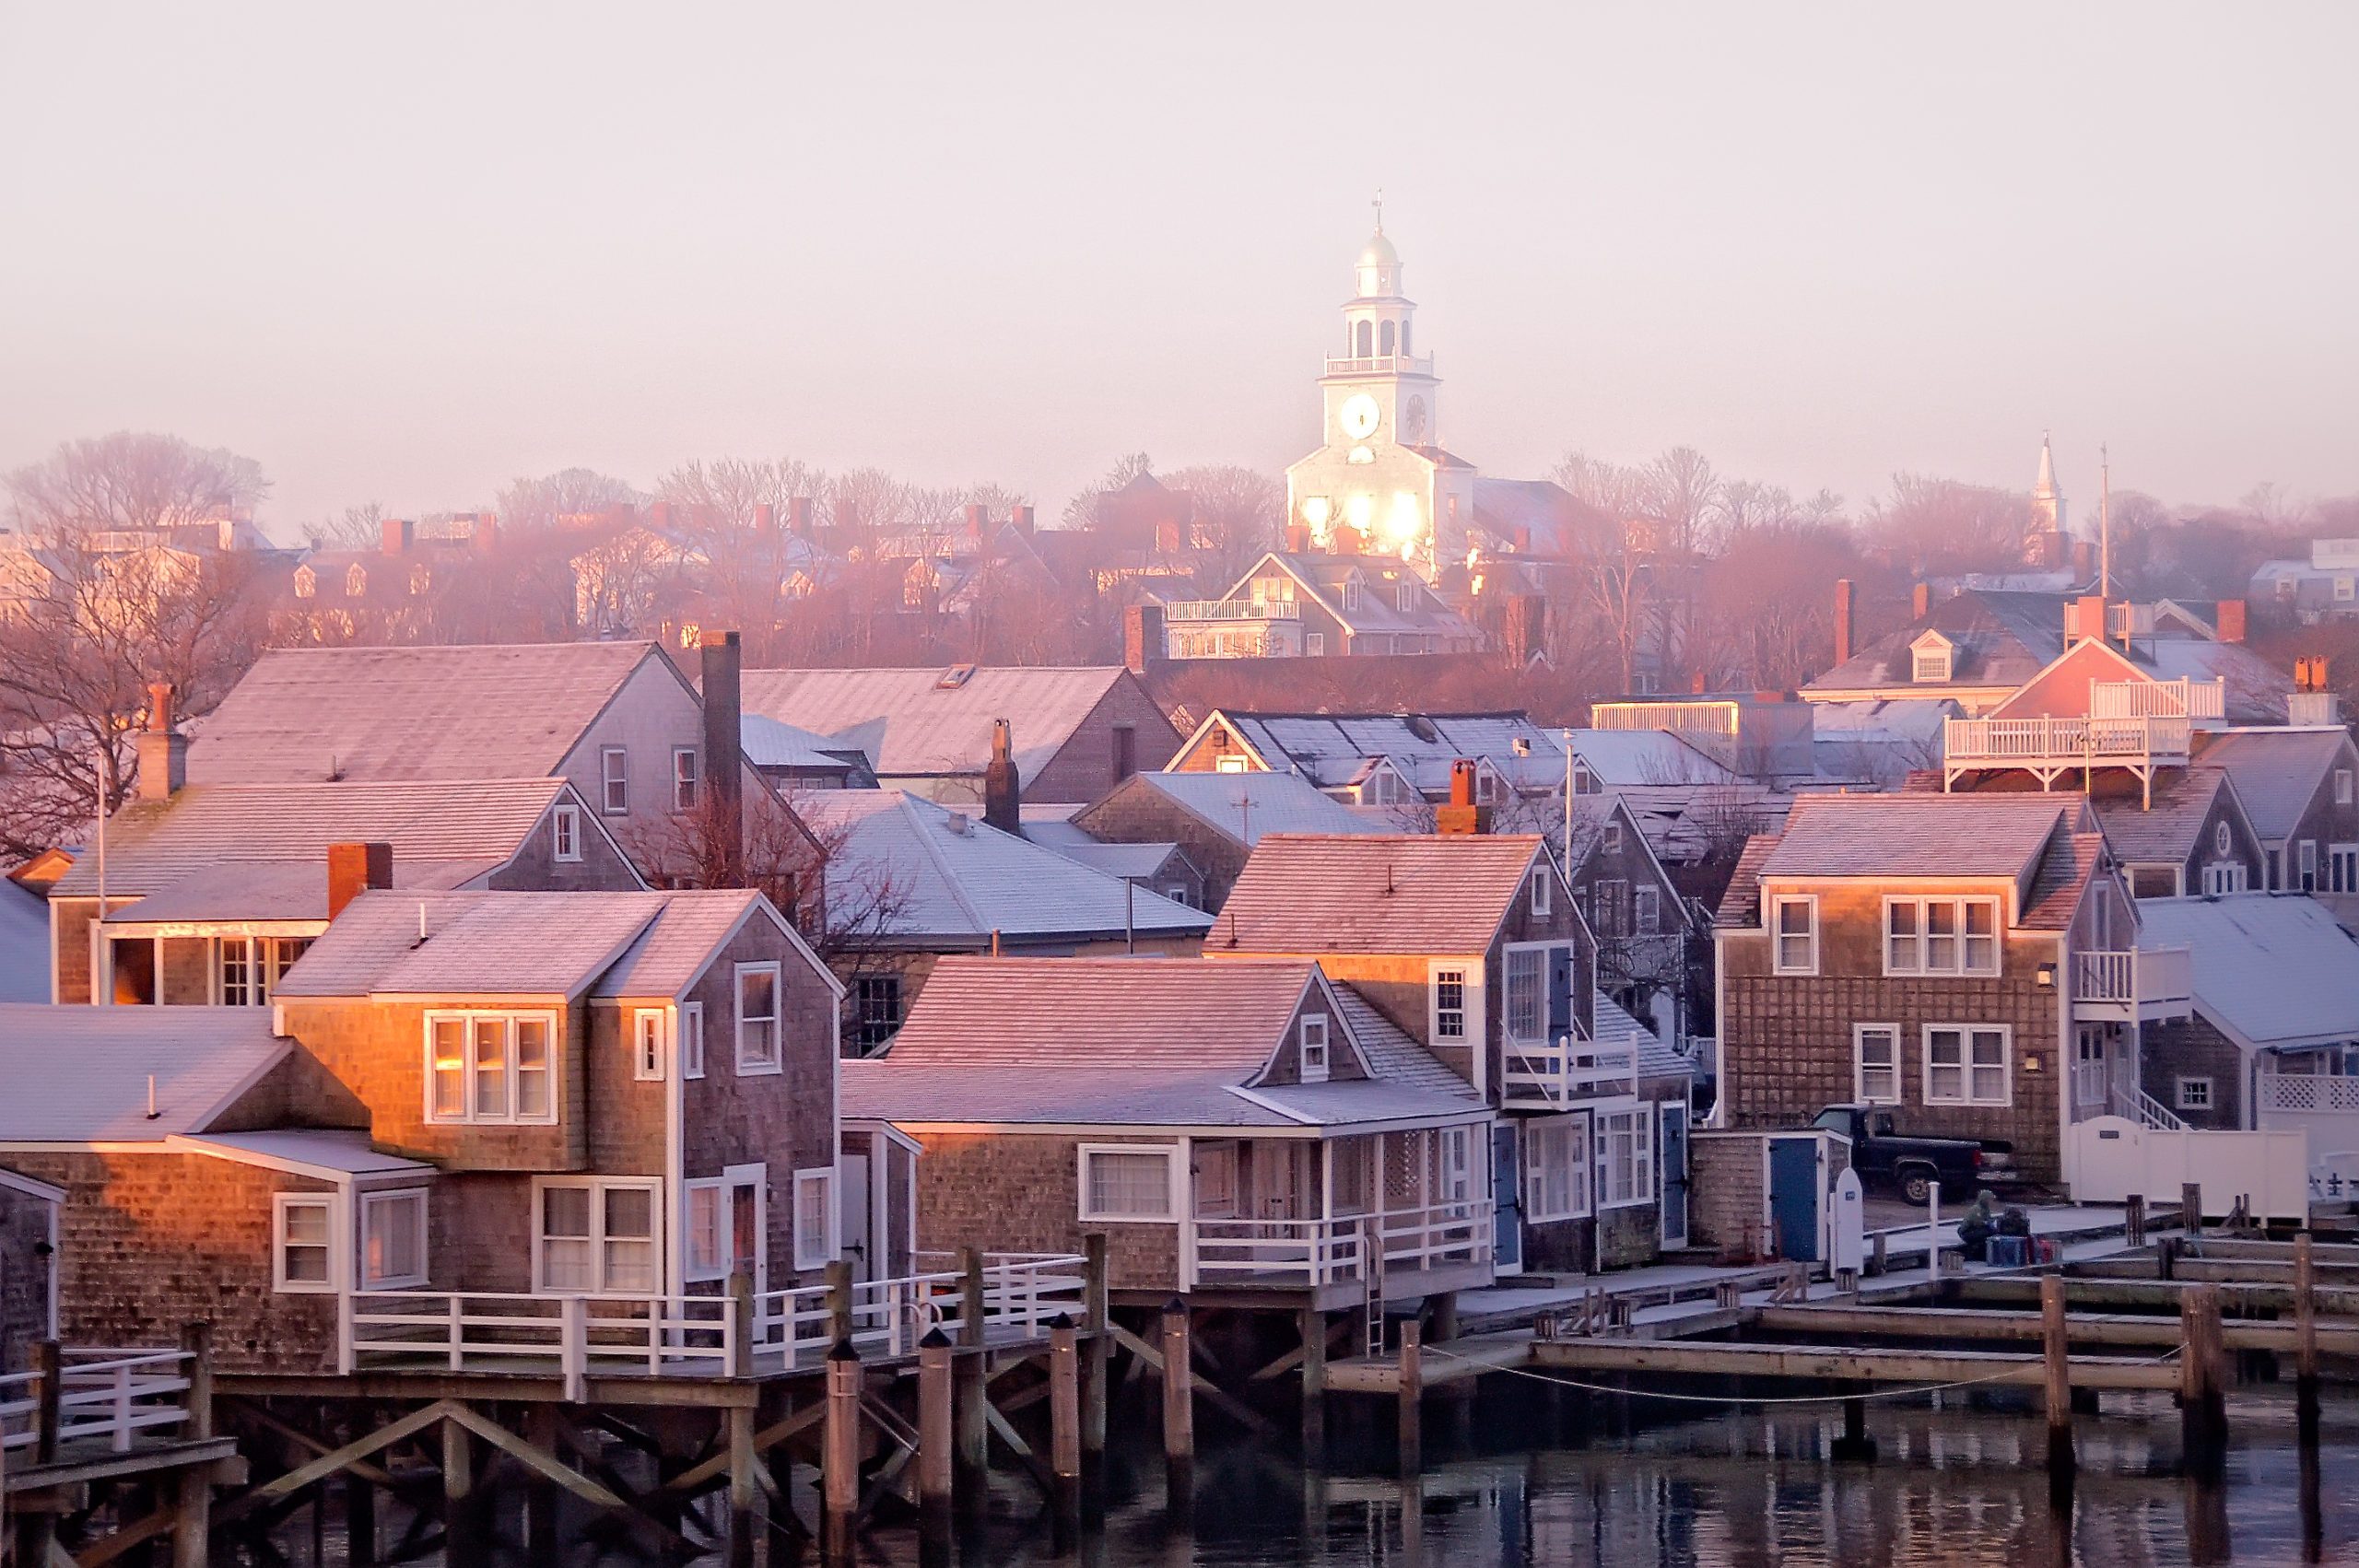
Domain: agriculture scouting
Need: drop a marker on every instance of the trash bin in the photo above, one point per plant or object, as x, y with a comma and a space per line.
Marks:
2010, 1252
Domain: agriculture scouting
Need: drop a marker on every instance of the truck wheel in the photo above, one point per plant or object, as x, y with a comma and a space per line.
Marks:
1916, 1184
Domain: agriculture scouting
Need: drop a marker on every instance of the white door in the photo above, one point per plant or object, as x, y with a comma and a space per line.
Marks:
865, 1248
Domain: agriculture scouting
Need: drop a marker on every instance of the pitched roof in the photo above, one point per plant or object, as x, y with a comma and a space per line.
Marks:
324, 1149
1741, 900
476, 944
1248, 807
671, 950
1916, 835
2165, 832
1330, 749
258, 850
2000, 637
504, 711
1394, 1053
79, 1073
1325, 893
2065, 871
1625, 759
943, 876
1378, 611
878, 1090
2273, 969
768, 744
1135, 861
2277, 771
915, 723
1616, 1027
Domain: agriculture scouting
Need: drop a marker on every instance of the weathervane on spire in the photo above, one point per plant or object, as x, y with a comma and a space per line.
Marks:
1379, 205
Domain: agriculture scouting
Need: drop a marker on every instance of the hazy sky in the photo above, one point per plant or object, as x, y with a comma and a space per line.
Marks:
405, 254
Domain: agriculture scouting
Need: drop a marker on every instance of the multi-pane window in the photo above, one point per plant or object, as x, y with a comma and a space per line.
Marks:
1527, 993
1556, 1168
1931, 662
1940, 936
685, 778
876, 1001
2342, 867
392, 1239
613, 778
1352, 1179
692, 1039
1876, 1049
1125, 1182
2223, 876
1314, 1048
1794, 922
250, 967
1450, 1004
1647, 907
1625, 1157
1967, 1066
647, 1043
489, 1067
595, 1236
1541, 898
758, 1022
815, 1219
2195, 1093
707, 1238
565, 832
303, 1248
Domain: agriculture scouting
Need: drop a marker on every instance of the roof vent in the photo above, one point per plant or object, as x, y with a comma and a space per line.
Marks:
953, 678
1421, 727
961, 824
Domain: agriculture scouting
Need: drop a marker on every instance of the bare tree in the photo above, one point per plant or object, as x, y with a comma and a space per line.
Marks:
1615, 568
1081, 510
546, 502
358, 527
132, 480
1946, 525
1239, 514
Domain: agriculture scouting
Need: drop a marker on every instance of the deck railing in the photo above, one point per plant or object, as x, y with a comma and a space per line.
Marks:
1380, 365
105, 1396
2067, 740
2181, 698
1569, 1068
1291, 1252
2135, 978
1021, 1291
2306, 1091
1232, 609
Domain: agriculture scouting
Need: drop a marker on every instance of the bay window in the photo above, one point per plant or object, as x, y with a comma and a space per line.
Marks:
490, 1067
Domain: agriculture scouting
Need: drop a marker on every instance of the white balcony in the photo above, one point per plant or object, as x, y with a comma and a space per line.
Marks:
1381, 365
1232, 609
2135, 985
1559, 1073
1416, 1243
2049, 747
2181, 698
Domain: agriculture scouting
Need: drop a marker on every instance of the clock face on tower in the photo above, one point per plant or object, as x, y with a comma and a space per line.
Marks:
1413, 421
1359, 416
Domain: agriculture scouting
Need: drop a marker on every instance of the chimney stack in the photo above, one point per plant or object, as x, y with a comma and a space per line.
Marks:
1024, 518
1346, 540
1920, 600
397, 534
798, 515
659, 517
1847, 618
1297, 539
1002, 788
2232, 620
1461, 817
486, 537
1142, 640
847, 520
2084, 619
354, 869
723, 751
977, 521
765, 518
163, 749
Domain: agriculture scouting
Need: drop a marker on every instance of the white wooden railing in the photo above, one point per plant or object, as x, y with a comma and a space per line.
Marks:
1681, 717
1232, 609
2182, 698
2067, 740
1380, 365
108, 1396
2129, 1100
2134, 977
1569, 1068
1021, 1291
2306, 1091
1288, 1253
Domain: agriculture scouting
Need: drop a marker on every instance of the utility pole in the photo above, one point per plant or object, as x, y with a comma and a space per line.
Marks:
1568, 806
2105, 524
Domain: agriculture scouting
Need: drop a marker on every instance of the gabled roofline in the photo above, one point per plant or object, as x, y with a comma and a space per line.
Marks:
246, 1085
2074, 646
1218, 716
31, 1188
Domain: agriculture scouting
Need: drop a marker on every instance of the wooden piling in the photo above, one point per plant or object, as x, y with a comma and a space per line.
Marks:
2133, 1220
970, 1446
462, 1538
937, 1468
1445, 1311
1855, 1446
970, 1295
1064, 1419
1179, 1411
541, 1493
193, 1511
2190, 1208
2306, 1339
1098, 1322
838, 1277
1412, 1391
2202, 1394
840, 1453
1314, 1386
2057, 1359
746, 1513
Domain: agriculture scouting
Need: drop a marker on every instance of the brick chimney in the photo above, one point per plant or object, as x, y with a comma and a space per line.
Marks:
2084, 619
1143, 641
847, 519
1346, 541
354, 869
724, 753
396, 534
977, 521
2085, 559
798, 515
765, 518
1847, 618
2232, 620
163, 749
486, 535
1297, 539
1461, 817
1026, 520
1920, 600
1003, 787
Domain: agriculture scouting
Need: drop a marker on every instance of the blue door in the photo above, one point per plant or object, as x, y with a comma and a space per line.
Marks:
1793, 1197
1506, 1196
1674, 1145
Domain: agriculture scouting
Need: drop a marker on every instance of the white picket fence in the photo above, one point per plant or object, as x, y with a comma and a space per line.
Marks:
108, 1396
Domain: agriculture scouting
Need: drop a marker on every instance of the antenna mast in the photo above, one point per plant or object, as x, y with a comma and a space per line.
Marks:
2105, 524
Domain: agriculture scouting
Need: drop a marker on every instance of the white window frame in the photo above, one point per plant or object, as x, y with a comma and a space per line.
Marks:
1314, 646
1566, 1166
1859, 1032
2308, 862
1313, 1037
1777, 934
1965, 1034
466, 1020
1514, 950
2342, 786
1437, 1015
2221, 841
691, 1043
565, 833
1611, 1192
1611, 839
2223, 876
1918, 953
1543, 901
714, 1191
2194, 1092
599, 1187
280, 1203
816, 1252
1646, 909
1174, 1200
751, 1067
614, 781
688, 777
647, 1045
372, 1203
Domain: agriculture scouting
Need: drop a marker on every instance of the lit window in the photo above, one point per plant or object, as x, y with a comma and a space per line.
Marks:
1967, 1066
565, 832
1449, 1005
647, 1044
692, 1039
489, 1067
355, 581
614, 777
685, 778
757, 1018
1314, 1048
392, 1239
815, 1219
1940, 936
1556, 1168
303, 1249
1126, 1182
595, 1236
307, 582
1795, 921
1876, 1066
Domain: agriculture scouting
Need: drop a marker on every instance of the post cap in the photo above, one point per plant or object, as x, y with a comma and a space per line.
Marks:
844, 1351
1061, 1321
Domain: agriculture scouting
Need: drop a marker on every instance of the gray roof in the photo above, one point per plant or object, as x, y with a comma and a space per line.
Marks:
1245, 806
1137, 862
2272, 968
1110, 1014
1314, 893
1393, 1054
325, 1148
1655, 1059
504, 711
941, 876
673, 950
877, 1089
2165, 832
75, 1074
260, 850
1631, 758
768, 744
910, 724
1917, 834
1330, 749
476, 944
1999, 638
2277, 771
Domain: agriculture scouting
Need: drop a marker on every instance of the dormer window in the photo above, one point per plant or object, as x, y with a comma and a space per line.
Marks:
1351, 595
1929, 659
1314, 1048
1584, 781
1408, 600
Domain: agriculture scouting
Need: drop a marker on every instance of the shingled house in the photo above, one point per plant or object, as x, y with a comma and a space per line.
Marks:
1217, 818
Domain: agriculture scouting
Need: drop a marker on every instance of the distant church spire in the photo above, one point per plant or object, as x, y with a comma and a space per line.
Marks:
2046, 500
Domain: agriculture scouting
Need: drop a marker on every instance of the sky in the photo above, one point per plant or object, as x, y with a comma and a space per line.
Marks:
406, 254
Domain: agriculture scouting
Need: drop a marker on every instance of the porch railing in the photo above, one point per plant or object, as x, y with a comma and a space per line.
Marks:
2306, 1091
2181, 698
105, 1396
2128, 1100
2133, 976
1021, 1291
1232, 609
2067, 740
1321, 1252
1569, 1068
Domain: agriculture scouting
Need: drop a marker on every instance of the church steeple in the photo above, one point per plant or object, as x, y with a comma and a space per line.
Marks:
2046, 500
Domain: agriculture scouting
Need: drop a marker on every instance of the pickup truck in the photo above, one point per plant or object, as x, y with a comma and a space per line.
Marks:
1886, 1158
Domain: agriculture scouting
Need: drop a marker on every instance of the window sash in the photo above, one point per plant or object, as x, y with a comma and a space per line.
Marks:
1541, 899
393, 1238
1940, 936
705, 1238
302, 1244
1450, 1004
1794, 931
489, 1068
598, 1237
685, 778
759, 1019
1555, 1170
1875, 1050
815, 1219
691, 1044
1128, 1182
1527, 993
1969, 1065
1314, 1048
565, 833
647, 1044
614, 780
